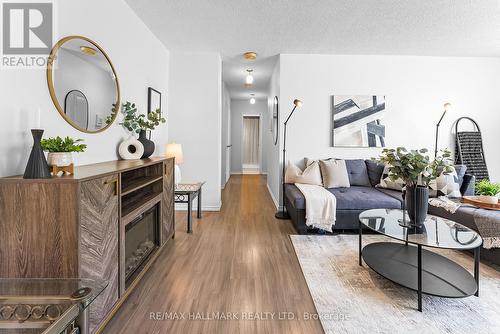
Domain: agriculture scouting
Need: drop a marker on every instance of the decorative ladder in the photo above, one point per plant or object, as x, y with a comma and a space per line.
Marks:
469, 150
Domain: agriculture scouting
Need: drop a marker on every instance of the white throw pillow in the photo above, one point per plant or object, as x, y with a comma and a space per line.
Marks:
334, 172
310, 175
387, 183
445, 185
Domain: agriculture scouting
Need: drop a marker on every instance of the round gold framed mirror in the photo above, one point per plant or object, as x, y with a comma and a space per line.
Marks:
83, 84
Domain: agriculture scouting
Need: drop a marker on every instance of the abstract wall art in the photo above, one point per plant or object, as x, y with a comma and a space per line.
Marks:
357, 121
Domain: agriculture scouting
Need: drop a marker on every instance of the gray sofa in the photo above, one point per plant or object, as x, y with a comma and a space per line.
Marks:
363, 195
364, 175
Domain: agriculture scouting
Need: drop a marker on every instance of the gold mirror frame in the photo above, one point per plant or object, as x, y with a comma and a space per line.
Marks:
50, 82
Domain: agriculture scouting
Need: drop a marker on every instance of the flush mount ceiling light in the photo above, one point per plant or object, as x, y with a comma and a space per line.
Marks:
249, 78
250, 55
252, 99
88, 50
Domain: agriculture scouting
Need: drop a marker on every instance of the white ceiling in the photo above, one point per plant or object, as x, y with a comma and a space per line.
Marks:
270, 27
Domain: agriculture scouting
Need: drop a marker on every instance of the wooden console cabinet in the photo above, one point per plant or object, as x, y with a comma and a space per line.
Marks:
74, 225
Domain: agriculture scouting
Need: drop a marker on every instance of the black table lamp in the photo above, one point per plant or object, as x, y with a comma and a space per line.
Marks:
447, 107
283, 214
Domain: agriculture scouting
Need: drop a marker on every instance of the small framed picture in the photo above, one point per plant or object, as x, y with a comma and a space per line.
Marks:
154, 100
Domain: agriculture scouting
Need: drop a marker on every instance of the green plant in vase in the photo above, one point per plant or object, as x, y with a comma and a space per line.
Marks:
141, 123
488, 191
60, 150
417, 171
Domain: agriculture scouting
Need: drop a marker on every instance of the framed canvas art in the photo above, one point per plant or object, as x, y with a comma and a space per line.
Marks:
357, 121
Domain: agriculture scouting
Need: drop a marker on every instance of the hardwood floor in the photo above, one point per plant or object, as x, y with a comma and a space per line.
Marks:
238, 260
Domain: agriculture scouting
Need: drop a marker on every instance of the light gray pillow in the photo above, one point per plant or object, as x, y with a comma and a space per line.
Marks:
310, 175
334, 173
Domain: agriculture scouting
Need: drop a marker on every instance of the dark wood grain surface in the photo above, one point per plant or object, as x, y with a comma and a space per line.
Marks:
237, 260
38, 230
99, 241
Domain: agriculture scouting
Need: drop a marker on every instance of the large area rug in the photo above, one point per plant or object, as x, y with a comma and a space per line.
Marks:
353, 299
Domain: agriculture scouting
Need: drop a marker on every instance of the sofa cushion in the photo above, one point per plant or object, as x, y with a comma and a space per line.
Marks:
375, 171
310, 175
445, 185
393, 193
363, 198
334, 173
353, 198
460, 169
386, 181
358, 174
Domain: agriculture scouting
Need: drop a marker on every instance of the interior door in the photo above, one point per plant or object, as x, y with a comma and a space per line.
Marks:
251, 143
99, 241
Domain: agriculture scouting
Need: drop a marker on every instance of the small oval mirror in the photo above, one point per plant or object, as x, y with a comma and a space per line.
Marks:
276, 122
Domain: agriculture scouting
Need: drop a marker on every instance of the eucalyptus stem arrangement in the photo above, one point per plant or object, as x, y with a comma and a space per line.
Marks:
417, 171
136, 123
415, 167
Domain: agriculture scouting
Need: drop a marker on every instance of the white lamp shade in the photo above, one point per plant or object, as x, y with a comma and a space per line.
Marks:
174, 151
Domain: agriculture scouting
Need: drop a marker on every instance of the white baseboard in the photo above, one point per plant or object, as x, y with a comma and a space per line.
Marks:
236, 173
183, 207
272, 197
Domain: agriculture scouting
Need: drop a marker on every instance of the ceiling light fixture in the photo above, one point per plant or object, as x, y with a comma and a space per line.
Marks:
88, 50
252, 99
249, 78
250, 55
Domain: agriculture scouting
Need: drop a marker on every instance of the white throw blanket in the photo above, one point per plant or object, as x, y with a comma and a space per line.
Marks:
445, 203
321, 206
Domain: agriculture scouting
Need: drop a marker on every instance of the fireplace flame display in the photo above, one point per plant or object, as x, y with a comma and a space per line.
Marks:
141, 241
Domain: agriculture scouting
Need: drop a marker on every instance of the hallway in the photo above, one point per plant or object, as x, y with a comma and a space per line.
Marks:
238, 260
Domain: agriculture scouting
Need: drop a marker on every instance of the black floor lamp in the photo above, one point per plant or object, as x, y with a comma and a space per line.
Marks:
447, 107
283, 214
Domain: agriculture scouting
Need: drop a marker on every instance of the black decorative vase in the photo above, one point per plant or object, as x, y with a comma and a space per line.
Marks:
417, 204
37, 167
149, 145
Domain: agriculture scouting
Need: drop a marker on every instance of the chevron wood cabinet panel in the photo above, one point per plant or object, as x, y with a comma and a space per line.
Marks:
77, 226
99, 241
167, 204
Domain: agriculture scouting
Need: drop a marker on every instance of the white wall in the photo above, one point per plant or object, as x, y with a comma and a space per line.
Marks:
272, 152
195, 112
415, 87
140, 61
238, 109
226, 136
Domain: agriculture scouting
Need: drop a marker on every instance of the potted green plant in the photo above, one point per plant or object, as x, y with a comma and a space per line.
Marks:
60, 150
141, 123
417, 171
488, 191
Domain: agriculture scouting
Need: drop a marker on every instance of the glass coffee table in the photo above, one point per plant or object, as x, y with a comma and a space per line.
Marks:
46, 305
411, 266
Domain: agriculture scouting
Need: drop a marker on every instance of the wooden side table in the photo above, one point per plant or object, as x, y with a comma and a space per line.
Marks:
186, 193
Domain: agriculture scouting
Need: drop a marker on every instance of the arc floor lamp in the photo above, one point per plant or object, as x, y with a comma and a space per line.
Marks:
447, 107
283, 214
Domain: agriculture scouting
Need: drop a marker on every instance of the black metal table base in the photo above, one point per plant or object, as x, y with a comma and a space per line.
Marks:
188, 198
421, 270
